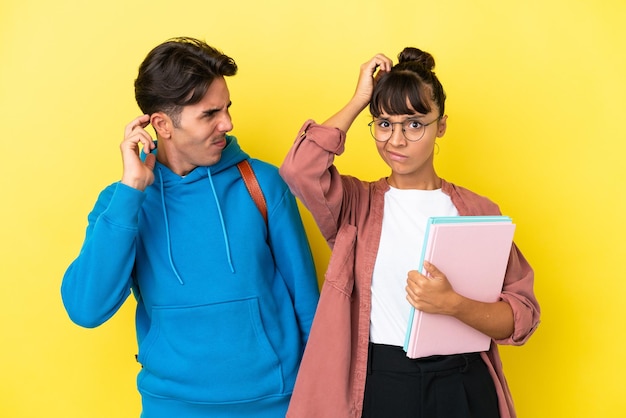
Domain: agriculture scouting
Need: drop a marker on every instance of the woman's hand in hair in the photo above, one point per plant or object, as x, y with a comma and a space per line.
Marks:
370, 71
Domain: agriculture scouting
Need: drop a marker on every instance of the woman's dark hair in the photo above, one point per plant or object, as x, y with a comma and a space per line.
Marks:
409, 87
177, 73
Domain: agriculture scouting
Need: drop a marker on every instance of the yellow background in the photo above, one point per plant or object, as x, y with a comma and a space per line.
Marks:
536, 111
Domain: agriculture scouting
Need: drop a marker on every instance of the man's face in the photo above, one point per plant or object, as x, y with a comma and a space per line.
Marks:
199, 138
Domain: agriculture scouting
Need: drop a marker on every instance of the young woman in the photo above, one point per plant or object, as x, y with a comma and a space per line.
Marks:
354, 364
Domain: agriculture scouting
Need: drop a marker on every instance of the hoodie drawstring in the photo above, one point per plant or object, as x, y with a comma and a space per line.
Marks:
167, 227
224, 233
167, 231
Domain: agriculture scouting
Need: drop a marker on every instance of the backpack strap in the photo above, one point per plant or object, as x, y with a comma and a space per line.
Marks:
252, 184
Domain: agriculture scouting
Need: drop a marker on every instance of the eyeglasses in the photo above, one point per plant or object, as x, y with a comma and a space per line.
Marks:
412, 129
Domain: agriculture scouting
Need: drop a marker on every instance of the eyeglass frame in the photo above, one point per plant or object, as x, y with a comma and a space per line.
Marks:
424, 125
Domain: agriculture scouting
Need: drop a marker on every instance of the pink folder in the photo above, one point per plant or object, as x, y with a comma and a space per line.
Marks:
473, 252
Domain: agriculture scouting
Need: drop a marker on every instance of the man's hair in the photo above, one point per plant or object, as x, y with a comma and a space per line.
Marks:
178, 73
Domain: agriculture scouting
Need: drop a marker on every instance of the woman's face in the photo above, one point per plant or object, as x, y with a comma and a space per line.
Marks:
411, 162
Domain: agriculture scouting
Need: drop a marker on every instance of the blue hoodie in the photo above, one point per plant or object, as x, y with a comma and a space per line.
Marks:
224, 302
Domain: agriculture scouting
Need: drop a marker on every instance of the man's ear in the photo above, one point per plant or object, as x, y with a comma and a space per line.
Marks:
162, 124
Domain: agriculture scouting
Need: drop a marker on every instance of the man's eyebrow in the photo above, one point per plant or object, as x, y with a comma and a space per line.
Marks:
211, 112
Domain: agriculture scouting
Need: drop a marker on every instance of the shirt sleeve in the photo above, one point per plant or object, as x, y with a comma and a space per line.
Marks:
309, 171
518, 292
294, 260
98, 281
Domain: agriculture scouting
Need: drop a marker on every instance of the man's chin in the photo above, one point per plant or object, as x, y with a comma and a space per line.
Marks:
213, 160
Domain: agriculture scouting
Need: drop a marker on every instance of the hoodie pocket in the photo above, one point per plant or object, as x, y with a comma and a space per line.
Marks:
217, 353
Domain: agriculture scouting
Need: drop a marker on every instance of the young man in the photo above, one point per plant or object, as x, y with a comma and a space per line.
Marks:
224, 298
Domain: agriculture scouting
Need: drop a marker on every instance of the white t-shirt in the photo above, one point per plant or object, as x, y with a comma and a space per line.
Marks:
404, 221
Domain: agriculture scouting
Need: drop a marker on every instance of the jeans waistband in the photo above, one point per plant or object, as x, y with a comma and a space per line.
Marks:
392, 358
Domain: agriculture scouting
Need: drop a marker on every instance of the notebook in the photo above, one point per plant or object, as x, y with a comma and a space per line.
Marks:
473, 252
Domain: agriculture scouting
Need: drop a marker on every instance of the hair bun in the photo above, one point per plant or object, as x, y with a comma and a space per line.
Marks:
423, 58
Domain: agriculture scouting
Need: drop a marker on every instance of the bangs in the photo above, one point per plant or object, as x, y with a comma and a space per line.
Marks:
400, 93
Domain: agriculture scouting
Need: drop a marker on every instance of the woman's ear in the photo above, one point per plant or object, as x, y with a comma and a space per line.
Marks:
442, 125
162, 125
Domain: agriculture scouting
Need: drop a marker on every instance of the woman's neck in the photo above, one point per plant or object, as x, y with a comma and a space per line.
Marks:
406, 182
